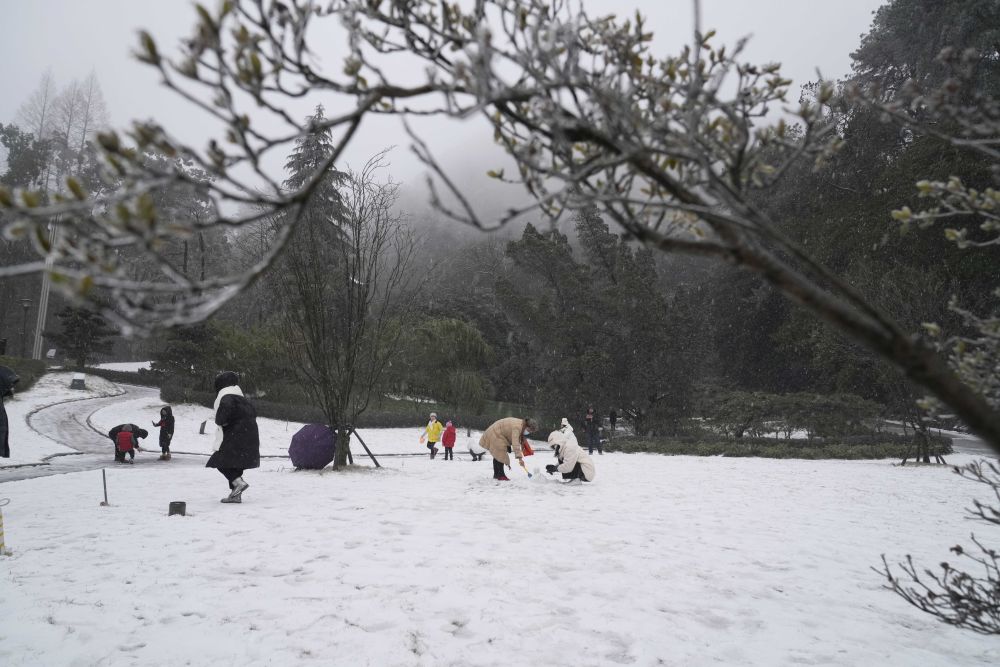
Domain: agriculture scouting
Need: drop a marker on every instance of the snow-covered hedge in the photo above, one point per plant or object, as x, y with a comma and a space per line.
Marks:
883, 446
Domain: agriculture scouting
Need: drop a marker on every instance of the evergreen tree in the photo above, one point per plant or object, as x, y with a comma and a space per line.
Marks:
600, 330
191, 355
26, 156
447, 359
907, 36
82, 335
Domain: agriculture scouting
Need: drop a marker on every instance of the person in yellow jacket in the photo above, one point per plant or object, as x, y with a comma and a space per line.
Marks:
433, 434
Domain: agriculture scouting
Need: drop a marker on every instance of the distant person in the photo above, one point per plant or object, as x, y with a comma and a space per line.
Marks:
613, 419
503, 438
448, 441
237, 440
432, 433
476, 451
8, 378
126, 438
573, 462
166, 425
592, 431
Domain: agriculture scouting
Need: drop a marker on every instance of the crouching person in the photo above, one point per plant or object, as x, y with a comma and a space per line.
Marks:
237, 441
574, 463
475, 451
126, 439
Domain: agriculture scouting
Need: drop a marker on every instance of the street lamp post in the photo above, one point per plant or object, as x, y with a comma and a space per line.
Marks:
25, 304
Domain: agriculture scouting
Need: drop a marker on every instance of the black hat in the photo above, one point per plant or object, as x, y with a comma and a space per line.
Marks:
226, 379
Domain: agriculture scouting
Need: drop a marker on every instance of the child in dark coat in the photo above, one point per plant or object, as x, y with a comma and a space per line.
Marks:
166, 425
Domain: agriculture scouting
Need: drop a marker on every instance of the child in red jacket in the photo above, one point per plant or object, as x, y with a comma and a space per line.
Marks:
448, 440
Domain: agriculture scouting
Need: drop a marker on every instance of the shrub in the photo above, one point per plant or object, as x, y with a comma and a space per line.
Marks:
855, 447
142, 377
740, 414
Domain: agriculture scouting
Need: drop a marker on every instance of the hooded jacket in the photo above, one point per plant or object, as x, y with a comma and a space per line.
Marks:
166, 425
448, 436
569, 452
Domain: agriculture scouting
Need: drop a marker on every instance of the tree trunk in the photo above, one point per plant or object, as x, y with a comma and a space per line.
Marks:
343, 446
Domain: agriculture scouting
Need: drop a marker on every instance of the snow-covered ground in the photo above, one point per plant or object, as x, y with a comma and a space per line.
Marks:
28, 446
662, 560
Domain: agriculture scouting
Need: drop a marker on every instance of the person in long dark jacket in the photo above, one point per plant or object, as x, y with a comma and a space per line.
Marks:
166, 425
8, 378
592, 431
237, 441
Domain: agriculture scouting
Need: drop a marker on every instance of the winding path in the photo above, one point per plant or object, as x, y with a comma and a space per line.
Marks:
69, 424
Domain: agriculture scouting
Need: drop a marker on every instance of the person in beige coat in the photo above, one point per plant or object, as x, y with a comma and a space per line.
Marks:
503, 438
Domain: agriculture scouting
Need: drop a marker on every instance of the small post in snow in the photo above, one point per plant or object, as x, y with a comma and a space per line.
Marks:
104, 478
3, 549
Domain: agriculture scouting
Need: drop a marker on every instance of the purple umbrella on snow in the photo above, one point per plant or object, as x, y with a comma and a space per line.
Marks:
313, 446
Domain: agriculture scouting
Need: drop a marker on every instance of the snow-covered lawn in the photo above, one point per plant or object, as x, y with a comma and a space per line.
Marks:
28, 446
663, 560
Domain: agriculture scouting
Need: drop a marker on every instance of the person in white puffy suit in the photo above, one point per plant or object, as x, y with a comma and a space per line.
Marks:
574, 463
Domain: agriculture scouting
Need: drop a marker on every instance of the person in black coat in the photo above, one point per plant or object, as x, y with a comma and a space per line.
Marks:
8, 378
592, 431
237, 441
166, 425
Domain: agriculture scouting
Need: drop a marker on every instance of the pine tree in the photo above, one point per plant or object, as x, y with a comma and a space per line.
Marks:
82, 335
312, 151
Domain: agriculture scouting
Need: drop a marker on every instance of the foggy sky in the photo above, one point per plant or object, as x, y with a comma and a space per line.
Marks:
72, 37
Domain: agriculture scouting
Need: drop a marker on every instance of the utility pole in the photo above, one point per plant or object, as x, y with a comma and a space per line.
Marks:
26, 305
43, 301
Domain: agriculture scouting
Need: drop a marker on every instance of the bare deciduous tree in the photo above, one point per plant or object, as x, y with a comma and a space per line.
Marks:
36, 114
345, 298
